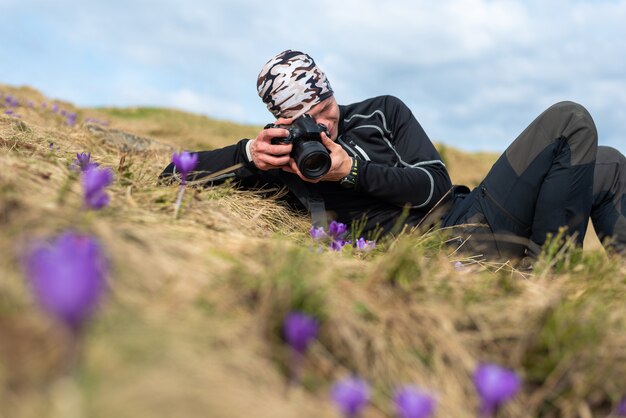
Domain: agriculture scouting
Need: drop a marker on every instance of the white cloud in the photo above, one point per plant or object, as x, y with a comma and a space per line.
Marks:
470, 69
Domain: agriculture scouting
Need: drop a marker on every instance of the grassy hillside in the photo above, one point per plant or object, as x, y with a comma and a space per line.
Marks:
191, 323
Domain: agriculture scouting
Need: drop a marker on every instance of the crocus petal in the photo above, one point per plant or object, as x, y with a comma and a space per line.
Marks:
300, 330
67, 276
495, 385
337, 229
621, 408
185, 162
365, 245
337, 244
350, 395
317, 232
412, 402
95, 180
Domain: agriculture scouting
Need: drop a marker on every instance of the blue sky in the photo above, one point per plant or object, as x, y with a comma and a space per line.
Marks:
474, 72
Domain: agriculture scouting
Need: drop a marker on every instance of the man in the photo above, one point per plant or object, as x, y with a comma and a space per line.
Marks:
385, 172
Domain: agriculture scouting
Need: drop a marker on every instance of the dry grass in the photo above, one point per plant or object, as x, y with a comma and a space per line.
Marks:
191, 324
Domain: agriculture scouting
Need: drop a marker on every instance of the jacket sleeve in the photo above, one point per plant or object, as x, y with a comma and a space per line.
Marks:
418, 178
210, 162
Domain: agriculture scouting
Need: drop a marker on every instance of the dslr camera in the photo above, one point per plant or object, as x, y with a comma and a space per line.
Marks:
310, 155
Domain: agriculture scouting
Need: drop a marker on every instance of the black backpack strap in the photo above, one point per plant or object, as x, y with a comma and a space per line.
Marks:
311, 199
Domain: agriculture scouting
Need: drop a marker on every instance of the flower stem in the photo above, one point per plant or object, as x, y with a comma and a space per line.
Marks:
296, 365
179, 200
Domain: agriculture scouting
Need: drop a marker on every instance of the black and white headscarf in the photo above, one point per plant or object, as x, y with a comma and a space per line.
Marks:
290, 84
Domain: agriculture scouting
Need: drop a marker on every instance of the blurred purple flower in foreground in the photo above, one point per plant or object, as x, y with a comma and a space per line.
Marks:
495, 385
299, 331
350, 395
68, 277
95, 180
412, 402
185, 162
621, 408
83, 162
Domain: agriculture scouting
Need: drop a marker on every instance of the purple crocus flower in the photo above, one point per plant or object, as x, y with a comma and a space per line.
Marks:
55, 108
299, 331
495, 385
83, 162
621, 408
68, 277
365, 245
71, 119
318, 232
185, 162
95, 180
350, 395
11, 113
337, 229
412, 402
338, 244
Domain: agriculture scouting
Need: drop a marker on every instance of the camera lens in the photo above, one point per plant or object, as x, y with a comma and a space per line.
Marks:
312, 158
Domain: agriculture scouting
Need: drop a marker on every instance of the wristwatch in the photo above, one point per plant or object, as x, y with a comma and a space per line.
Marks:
349, 181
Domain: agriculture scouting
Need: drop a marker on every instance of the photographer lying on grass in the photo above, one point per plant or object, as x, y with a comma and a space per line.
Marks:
371, 164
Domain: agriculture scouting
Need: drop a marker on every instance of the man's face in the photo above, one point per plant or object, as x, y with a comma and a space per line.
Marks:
327, 112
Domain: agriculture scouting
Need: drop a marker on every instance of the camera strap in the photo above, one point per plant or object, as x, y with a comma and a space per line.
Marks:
311, 199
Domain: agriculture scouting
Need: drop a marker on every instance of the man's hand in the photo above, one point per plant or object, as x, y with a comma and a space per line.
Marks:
340, 163
267, 156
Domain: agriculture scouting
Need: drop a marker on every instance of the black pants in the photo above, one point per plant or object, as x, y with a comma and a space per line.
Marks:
553, 175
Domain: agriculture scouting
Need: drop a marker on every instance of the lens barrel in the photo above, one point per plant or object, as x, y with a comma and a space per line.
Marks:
312, 158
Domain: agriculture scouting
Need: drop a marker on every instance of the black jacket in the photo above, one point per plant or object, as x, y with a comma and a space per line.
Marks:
399, 168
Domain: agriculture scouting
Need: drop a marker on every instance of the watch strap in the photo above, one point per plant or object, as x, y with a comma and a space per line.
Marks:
349, 181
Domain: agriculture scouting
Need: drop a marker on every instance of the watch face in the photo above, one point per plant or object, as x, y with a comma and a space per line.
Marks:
348, 181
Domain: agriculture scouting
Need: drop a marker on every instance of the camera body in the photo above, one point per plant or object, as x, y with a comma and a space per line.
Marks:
310, 155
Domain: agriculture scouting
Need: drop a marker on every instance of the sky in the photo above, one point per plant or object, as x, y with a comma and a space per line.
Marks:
474, 73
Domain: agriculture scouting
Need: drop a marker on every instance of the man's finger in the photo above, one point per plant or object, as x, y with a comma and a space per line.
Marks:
329, 143
274, 161
283, 121
266, 135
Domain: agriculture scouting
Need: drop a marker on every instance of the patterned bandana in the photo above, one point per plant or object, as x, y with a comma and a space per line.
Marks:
290, 84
